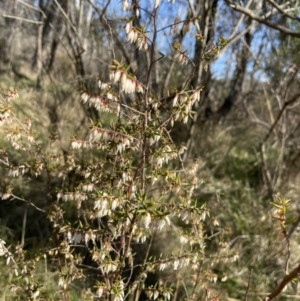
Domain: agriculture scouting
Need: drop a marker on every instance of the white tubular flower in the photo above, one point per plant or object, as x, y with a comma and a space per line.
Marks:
60, 281
181, 57
69, 236
99, 291
162, 266
147, 220
155, 294
85, 97
175, 99
132, 36
139, 87
167, 295
3, 249
117, 76
176, 265
183, 240
123, 81
77, 237
128, 27
126, 5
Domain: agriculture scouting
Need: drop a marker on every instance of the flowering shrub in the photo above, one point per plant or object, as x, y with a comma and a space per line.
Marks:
132, 189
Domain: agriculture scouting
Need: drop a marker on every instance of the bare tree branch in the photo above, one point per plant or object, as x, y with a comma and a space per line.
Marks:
111, 32
287, 103
71, 24
262, 19
248, 286
32, 7
282, 11
51, 26
22, 19
288, 278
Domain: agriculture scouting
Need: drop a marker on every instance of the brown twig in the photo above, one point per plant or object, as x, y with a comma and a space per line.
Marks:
248, 286
262, 20
28, 202
273, 3
24, 227
22, 19
266, 169
288, 278
71, 24
285, 105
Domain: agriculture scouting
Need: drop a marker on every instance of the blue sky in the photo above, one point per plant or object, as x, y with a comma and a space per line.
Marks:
173, 12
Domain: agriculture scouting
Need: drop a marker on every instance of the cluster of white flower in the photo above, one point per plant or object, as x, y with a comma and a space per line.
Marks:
167, 295
5, 116
183, 99
78, 144
139, 235
3, 249
177, 262
182, 115
128, 7
154, 293
182, 105
30, 137
118, 291
6, 195
235, 257
88, 187
185, 215
105, 204
100, 290
98, 255
183, 239
101, 103
103, 85
211, 277
160, 223
38, 168
72, 196
181, 57
19, 170
12, 94
63, 282
196, 95
127, 84
77, 237
108, 266
163, 265
164, 156
154, 138
122, 141
181, 262
13, 138
89, 235
134, 35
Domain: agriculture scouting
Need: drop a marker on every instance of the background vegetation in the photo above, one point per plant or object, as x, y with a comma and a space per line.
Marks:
149, 150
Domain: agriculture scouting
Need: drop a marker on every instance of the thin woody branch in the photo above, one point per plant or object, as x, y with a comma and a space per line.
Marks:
286, 104
22, 19
282, 11
262, 20
288, 278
